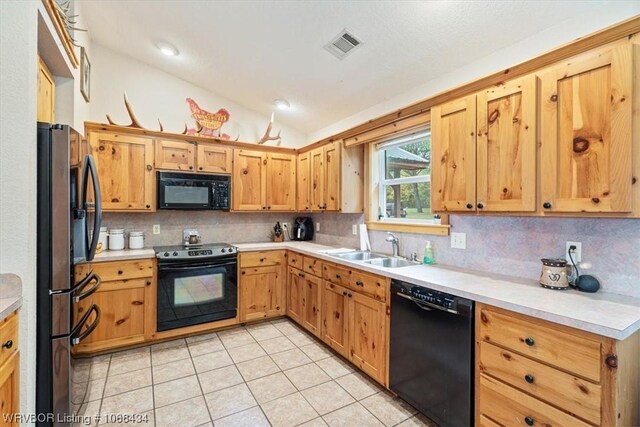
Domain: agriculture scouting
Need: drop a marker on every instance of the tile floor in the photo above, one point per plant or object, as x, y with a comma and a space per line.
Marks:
271, 373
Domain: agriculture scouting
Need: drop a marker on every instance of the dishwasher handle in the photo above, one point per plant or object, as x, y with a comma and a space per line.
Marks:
463, 307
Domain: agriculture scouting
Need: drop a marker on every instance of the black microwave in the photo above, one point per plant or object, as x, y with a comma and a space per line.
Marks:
193, 191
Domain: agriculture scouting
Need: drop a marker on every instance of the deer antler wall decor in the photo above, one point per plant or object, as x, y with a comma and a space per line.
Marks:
268, 137
134, 120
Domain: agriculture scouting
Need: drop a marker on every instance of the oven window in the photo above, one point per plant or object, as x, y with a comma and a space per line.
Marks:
174, 194
198, 289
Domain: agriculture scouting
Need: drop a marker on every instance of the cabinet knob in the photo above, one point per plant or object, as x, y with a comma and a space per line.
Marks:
190, 167
337, 276
148, 282
200, 168
480, 205
529, 341
546, 205
350, 294
359, 283
529, 421
344, 293
120, 272
301, 274
264, 207
149, 167
148, 206
7, 344
529, 378
469, 206
268, 207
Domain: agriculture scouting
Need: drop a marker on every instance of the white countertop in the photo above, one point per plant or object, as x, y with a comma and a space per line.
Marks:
606, 314
10, 294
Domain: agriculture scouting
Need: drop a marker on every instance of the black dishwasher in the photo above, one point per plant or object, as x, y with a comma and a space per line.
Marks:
431, 354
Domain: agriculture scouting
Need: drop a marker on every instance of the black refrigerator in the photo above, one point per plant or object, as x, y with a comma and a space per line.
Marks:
68, 230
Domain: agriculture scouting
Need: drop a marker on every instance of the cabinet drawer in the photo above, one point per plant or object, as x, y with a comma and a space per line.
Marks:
547, 344
313, 266
335, 274
295, 260
508, 406
578, 396
8, 337
261, 258
117, 270
373, 286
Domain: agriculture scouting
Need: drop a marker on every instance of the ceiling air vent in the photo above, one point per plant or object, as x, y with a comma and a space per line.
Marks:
343, 44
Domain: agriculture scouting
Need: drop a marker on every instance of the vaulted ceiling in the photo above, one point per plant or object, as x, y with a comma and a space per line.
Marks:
256, 51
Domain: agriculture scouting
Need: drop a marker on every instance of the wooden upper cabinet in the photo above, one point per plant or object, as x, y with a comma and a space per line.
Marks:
175, 155
303, 195
125, 171
587, 133
281, 182
453, 175
316, 190
214, 159
46, 94
249, 180
332, 176
506, 147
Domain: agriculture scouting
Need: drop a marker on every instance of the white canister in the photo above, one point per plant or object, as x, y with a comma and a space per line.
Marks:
102, 239
136, 239
116, 239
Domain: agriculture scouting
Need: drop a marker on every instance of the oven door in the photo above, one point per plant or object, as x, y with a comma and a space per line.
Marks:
180, 191
192, 293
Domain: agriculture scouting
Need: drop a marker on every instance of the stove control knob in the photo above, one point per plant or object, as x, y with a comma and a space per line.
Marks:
223, 250
166, 254
175, 254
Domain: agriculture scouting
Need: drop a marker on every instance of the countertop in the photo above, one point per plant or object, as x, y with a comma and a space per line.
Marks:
10, 294
125, 254
610, 315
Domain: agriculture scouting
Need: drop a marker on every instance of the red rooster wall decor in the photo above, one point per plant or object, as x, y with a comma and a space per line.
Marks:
209, 124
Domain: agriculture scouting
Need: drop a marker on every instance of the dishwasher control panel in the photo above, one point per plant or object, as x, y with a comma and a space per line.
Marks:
432, 297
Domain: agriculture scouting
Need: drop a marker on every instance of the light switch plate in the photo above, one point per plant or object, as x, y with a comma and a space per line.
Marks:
156, 228
459, 240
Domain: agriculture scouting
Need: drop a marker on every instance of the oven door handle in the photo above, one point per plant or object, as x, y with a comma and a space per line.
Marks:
193, 267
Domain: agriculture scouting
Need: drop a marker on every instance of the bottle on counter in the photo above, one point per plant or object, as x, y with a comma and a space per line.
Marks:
116, 239
428, 254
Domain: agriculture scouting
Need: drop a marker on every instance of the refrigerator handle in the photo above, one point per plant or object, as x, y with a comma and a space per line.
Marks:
76, 334
90, 167
79, 292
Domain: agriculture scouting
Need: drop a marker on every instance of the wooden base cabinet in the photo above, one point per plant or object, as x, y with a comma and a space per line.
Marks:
261, 285
9, 370
126, 298
533, 372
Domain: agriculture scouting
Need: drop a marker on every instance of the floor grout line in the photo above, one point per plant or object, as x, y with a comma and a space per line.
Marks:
200, 383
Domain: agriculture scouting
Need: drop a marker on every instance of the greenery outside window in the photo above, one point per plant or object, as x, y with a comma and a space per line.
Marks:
405, 179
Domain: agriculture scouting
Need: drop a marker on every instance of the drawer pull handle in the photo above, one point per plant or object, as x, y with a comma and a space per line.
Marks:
120, 272
344, 293
529, 421
337, 276
529, 341
7, 344
529, 378
359, 283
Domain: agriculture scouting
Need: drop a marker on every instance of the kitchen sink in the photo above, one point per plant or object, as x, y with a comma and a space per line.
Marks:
359, 255
392, 262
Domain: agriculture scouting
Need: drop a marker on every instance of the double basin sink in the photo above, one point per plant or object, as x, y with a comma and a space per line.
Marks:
373, 258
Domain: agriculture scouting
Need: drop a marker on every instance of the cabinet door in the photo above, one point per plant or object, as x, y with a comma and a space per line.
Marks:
506, 147
249, 179
295, 283
46, 94
123, 308
587, 133
332, 176
175, 155
125, 171
281, 182
215, 159
453, 173
303, 194
367, 335
10, 389
261, 293
335, 326
311, 303
317, 179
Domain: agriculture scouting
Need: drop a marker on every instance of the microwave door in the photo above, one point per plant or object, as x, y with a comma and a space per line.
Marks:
91, 239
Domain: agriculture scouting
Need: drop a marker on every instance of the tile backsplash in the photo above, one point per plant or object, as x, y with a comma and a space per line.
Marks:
496, 244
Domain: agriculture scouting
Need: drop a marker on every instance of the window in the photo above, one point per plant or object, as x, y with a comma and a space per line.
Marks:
405, 179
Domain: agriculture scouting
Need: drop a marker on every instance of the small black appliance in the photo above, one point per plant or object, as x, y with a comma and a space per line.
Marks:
302, 228
193, 191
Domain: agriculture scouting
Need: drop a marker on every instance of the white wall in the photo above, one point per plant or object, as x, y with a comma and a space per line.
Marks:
549, 39
155, 94
18, 70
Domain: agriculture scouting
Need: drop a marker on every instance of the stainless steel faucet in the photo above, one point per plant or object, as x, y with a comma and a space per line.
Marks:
394, 242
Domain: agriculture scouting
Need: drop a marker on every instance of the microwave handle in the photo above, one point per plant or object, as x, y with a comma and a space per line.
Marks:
90, 168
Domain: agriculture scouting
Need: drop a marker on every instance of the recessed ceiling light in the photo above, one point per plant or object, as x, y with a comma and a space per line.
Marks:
282, 104
167, 49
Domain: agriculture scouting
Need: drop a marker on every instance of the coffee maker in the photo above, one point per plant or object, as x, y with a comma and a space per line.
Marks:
302, 228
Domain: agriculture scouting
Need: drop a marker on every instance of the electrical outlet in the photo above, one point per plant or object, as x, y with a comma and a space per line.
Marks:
317, 226
577, 252
459, 240
156, 228
354, 229
285, 226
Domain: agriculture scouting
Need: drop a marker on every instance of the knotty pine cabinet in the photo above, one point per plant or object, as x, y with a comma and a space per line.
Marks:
9, 370
263, 181
46, 98
484, 150
304, 287
175, 155
213, 158
586, 122
125, 171
330, 179
126, 298
261, 285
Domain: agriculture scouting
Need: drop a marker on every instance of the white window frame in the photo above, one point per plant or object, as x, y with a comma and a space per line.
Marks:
383, 182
